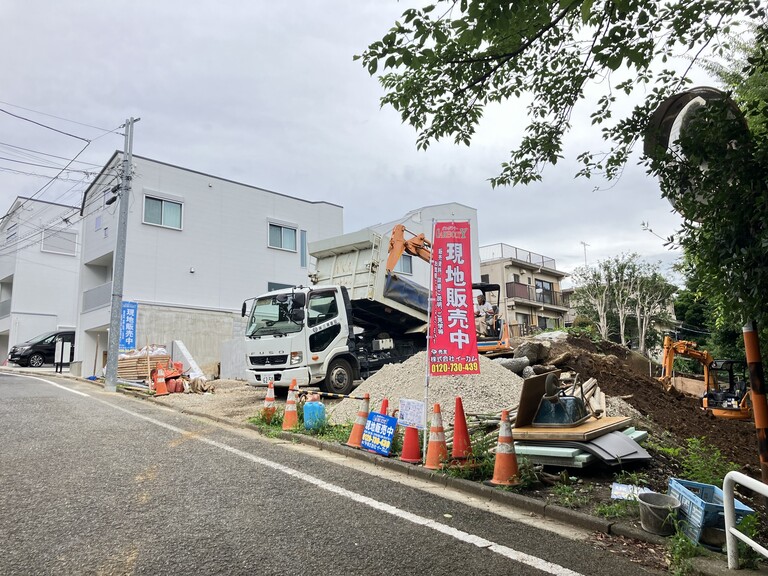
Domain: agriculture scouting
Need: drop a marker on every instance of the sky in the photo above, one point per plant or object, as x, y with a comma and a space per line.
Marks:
267, 93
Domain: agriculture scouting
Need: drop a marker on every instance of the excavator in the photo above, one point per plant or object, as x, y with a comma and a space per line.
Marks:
497, 341
727, 395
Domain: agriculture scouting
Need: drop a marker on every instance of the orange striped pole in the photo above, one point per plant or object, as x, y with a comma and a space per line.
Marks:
757, 392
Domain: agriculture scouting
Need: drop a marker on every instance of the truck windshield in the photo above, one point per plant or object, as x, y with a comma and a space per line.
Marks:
269, 317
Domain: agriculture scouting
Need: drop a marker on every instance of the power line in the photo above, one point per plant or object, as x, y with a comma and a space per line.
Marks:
50, 155
57, 117
44, 125
86, 172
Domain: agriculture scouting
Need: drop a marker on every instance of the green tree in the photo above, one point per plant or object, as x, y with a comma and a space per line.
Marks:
443, 64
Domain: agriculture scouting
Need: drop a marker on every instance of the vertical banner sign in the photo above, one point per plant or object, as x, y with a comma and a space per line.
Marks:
128, 326
453, 343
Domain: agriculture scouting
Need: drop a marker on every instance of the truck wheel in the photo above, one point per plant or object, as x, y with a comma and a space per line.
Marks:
339, 379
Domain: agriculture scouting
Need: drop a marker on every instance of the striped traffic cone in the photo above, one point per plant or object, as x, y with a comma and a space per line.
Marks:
291, 417
269, 404
462, 448
356, 436
437, 450
384, 407
505, 471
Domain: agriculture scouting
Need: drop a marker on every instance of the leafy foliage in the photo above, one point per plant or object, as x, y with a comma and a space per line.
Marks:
704, 463
443, 64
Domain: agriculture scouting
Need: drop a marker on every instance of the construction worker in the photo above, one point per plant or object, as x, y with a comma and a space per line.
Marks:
483, 315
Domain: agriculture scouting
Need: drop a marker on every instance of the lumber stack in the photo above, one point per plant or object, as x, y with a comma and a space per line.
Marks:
138, 367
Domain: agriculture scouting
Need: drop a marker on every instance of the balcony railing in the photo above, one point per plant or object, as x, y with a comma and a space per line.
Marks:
97, 297
505, 251
5, 308
518, 291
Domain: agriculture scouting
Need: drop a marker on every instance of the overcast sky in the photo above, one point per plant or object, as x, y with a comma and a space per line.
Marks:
267, 93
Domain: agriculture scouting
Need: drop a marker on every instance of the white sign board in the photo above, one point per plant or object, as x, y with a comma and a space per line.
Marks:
411, 413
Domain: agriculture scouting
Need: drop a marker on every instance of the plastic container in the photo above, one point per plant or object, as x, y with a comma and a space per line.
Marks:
658, 512
314, 415
702, 506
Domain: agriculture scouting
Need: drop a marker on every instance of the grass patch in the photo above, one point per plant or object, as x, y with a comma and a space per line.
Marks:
618, 509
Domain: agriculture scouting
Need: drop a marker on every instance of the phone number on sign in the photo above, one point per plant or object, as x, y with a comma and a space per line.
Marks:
453, 367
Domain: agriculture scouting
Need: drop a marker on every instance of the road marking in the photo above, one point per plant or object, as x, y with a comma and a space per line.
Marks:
506, 551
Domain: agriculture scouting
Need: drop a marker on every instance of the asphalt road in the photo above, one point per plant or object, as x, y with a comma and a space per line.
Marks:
99, 483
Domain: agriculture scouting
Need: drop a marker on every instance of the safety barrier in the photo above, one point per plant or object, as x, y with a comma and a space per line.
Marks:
729, 508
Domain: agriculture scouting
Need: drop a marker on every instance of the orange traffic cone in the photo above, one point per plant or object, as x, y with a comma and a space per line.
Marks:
269, 404
505, 472
437, 451
411, 448
291, 417
462, 448
356, 436
160, 388
384, 407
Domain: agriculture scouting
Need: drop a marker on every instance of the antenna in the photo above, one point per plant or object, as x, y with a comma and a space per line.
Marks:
585, 251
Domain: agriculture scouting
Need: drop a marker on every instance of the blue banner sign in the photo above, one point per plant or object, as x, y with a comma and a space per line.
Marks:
128, 325
378, 433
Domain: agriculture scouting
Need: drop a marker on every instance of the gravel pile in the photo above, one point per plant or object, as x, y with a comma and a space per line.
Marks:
493, 390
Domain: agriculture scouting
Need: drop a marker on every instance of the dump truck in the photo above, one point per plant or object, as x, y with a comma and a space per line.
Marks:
355, 318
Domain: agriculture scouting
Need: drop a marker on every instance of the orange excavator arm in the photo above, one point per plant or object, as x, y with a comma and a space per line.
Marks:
687, 349
417, 246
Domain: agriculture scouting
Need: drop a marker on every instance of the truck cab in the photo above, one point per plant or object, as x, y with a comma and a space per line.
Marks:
301, 334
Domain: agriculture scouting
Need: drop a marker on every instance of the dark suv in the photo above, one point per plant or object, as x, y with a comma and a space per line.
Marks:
41, 349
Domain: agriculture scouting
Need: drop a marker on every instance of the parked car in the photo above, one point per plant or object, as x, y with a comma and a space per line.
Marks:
41, 349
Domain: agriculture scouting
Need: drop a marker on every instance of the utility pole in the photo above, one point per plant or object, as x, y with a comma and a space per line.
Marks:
585, 251
118, 263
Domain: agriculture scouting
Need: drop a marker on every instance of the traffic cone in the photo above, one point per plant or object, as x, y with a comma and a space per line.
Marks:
291, 417
384, 407
462, 448
160, 388
356, 436
411, 448
269, 404
505, 471
437, 451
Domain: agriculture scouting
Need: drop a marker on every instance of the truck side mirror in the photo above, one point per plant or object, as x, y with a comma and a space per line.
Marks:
299, 300
296, 315
242, 311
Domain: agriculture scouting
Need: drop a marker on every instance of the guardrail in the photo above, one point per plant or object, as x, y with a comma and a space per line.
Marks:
729, 508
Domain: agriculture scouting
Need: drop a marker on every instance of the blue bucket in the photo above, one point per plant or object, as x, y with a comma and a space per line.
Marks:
314, 415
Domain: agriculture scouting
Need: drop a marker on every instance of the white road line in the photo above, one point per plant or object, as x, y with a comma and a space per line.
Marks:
507, 552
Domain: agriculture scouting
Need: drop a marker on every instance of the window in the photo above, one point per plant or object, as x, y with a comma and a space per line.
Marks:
282, 237
162, 212
10, 233
485, 278
544, 291
59, 242
304, 255
404, 265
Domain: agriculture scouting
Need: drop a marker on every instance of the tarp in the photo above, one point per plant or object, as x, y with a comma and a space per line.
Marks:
406, 292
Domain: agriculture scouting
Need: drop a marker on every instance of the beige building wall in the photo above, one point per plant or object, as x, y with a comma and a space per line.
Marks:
531, 297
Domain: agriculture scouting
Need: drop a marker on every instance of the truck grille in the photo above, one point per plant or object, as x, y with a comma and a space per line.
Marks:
276, 360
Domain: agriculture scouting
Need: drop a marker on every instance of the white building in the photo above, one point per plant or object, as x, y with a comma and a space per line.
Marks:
39, 248
197, 246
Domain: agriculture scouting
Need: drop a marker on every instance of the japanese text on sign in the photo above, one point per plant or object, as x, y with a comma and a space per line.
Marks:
128, 326
378, 433
453, 342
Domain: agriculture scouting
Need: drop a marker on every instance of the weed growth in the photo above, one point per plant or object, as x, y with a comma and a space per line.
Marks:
680, 550
704, 463
618, 509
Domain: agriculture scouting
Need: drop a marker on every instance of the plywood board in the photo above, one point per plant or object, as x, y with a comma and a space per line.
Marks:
592, 428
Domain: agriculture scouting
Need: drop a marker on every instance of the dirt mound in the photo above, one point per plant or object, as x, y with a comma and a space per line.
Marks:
619, 375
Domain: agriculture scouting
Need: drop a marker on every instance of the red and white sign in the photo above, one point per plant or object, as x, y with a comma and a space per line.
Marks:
452, 340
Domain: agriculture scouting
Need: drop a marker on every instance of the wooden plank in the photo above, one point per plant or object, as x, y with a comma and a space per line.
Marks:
592, 428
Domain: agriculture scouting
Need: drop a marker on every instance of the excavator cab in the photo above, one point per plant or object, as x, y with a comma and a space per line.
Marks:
496, 340
729, 396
